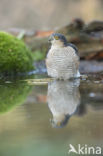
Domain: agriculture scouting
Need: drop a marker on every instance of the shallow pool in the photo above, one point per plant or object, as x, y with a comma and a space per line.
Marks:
45, 119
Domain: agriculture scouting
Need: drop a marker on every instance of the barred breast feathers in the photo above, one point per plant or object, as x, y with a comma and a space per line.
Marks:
61, 54
62, 62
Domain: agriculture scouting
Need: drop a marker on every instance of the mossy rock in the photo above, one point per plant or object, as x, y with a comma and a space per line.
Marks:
12, 95
15, 57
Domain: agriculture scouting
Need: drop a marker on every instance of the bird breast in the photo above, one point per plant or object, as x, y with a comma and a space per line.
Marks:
62, 60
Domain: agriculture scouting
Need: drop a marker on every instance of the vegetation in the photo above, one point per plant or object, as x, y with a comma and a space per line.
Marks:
15, 57
12, 95
39, 56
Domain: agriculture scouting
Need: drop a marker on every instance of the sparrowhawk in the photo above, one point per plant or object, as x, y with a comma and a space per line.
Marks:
62, 59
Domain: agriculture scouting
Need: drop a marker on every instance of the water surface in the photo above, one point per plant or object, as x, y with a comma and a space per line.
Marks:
43, 119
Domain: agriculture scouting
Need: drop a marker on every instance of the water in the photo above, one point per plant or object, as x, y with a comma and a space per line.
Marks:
40, 119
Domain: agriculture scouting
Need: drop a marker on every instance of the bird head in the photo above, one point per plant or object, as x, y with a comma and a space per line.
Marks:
57, 39
60, 122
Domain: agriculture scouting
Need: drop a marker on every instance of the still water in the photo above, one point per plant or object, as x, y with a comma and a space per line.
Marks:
43, 119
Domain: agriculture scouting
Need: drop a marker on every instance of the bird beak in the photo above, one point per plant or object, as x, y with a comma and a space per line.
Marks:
50, 39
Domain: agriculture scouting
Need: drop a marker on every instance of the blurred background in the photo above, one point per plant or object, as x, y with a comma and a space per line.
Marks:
47, 14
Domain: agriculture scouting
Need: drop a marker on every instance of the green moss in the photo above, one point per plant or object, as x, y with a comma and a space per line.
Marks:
38, 55
15, 57
12, 95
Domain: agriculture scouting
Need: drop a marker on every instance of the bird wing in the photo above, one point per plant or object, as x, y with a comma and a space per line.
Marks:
74, 47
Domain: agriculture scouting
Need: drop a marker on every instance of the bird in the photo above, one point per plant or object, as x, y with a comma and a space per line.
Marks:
62, 60
63, 98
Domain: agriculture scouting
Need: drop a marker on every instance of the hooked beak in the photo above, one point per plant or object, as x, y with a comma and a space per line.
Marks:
50, 39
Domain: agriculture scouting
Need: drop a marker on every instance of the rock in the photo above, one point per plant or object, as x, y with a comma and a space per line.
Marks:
94, 26
91, 67
15, 57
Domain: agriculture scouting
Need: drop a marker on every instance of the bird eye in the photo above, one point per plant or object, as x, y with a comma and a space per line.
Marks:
56, 37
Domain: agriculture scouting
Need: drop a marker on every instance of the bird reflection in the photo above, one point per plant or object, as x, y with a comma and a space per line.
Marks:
63, 100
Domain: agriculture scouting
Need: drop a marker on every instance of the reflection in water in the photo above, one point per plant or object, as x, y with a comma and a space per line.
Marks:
26, 130
13, 94
63, 100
